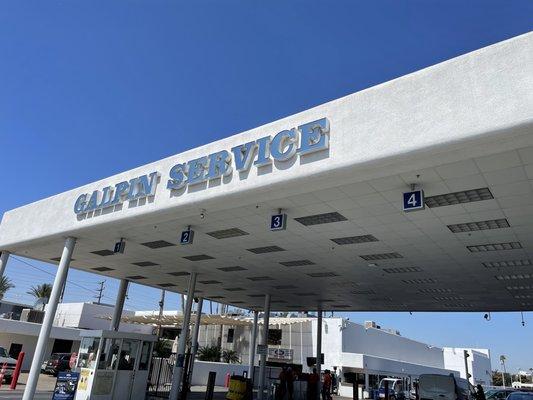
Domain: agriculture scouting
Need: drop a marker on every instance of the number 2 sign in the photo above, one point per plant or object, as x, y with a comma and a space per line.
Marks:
413, 200
186, 237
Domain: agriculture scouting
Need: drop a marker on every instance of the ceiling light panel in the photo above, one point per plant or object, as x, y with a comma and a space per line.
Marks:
354, 239
479, 226
260, 278
297, 263
199, 257
401, 270
103, 253
157, 244
466, 196
232, 269
494, 247
434, 290
512, 263
178, 273
145, 264
136, 277
322, 274
102, 269
513, 277
266, 249
227, 233
520, 287
381, 256
419, 281
321, 219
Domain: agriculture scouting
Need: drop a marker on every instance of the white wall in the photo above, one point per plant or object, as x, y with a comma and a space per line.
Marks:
479, 365
202, 369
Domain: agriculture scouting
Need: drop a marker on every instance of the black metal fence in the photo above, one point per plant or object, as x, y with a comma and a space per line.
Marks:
160, 377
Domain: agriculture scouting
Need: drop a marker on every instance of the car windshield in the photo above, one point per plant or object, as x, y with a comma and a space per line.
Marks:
3, 352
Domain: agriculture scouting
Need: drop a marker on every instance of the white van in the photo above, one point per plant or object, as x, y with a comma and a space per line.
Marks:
443, 387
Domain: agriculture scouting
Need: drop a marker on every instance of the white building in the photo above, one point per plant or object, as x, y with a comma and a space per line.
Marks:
366, 350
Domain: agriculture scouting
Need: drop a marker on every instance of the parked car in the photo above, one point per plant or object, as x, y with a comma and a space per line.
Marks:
498, 394
396, 389
443, 387
58, 362
520, 396
10, 364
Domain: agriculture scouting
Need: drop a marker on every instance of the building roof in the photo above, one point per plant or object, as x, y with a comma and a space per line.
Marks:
460, 130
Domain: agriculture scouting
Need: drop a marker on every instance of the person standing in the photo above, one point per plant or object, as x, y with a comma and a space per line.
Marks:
312, 385
326, 386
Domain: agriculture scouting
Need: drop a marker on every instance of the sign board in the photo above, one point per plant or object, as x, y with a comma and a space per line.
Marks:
278, 222
280, 354
119, 247
262, 349
413, 200
312, 360
66, 385
186, 237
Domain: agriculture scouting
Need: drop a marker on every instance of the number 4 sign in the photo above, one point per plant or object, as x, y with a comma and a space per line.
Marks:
413, 200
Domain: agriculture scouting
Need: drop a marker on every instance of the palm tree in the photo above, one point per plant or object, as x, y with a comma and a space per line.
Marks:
41, 293
5, 285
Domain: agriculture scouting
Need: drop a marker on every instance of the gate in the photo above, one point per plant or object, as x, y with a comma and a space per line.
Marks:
160, 377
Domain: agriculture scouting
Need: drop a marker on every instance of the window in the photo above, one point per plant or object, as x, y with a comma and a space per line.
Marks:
109, 356
88, 350
274, 337
128, 354
145, 356
231, 333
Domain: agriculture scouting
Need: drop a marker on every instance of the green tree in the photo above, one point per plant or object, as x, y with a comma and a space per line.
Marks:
41, 293
5, 285
163, 348
230, 356
209, 353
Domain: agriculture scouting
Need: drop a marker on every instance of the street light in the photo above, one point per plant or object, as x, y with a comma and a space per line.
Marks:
502, 361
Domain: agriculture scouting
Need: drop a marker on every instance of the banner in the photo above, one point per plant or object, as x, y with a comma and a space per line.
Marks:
66, 385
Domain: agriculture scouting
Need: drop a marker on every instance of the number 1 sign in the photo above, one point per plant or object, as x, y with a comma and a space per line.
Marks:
413, 200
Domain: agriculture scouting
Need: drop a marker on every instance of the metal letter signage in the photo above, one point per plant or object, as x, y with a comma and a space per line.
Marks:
413, 200
136, 188
305, 139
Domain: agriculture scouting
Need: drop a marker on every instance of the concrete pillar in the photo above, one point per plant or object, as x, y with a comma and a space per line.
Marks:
319, 349
264, 342
46, 327
119, 305
367, 382
195, 333
180, 356
253, 341
4, 257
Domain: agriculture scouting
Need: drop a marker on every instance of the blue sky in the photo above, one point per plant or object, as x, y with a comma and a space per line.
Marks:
92, 88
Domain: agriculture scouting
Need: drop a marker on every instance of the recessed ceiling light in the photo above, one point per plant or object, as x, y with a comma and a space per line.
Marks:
157, 244
466, 196
401, 270
419, 281
199, 257
523, 296
260, 278
363, 292
232, 269
494, 247
145, 264
512, 263
321, 219
266, 249
136, 277
322, 274
448, 298
178, 273
227, 233
165, 284
354, 239
102, 269
513, 277
434, 290
457, 305
103, 253
297, 263
520, 287
210, 282
381, 256
234, 289
479, 226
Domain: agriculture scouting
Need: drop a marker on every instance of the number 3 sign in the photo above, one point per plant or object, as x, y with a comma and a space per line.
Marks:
278, 222
413, 200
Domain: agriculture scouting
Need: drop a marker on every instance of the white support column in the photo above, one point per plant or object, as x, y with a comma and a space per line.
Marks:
253, 341
119, 304
319, 350
49, 315
195, 333
264, 342
4, 257
180, 356
367, 382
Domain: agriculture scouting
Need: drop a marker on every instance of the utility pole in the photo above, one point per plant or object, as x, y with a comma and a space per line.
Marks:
161, 306
100, 291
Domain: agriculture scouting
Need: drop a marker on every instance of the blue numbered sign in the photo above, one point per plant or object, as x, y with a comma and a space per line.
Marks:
413, 200
186, 237
278, 222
